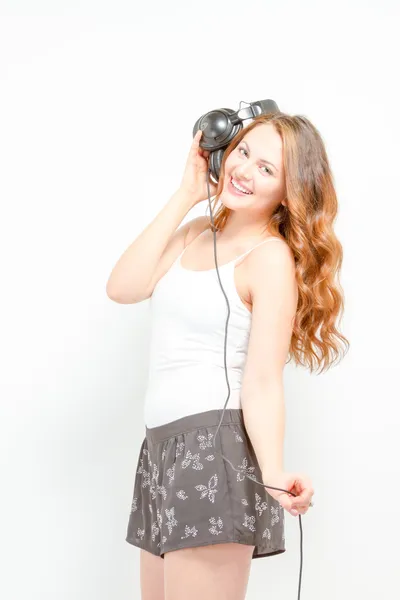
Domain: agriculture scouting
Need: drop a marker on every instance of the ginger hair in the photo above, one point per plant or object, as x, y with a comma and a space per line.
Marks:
307, 225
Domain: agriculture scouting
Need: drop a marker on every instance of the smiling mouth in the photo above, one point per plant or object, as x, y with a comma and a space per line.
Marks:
236, 189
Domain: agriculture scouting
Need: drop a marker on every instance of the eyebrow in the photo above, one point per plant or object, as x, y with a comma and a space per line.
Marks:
262, 160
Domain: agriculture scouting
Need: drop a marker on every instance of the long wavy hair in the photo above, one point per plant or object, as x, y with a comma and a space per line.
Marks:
306, 223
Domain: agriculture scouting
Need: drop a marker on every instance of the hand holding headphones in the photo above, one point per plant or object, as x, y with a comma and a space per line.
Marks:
194, 177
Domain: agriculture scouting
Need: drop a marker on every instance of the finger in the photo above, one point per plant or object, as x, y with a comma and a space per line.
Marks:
285, 502
299, 511
197, 137
194, 150
294, 511
304, 509
299, 505
303, 498
300, 484
301, 501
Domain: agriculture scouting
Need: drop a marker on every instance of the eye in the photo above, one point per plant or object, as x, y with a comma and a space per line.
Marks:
264, 167
268, 170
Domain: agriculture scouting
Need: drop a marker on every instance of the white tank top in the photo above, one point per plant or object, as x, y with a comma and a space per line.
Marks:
188, 318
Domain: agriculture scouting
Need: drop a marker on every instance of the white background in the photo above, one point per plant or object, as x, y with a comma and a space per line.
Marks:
97, 105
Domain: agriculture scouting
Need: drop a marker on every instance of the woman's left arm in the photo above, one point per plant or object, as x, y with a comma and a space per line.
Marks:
273, 288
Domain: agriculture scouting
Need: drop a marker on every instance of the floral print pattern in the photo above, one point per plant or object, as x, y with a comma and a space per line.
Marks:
245, 471
185, 494
216, 525
192, 459
209, 490
260, 506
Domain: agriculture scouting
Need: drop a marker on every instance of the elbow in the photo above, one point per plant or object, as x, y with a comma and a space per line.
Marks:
112, 292
122, 297
115, 294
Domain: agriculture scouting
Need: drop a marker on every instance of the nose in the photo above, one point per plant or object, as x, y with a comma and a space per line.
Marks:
244, 172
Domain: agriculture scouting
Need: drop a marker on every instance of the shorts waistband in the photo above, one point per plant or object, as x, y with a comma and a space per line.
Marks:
209, 418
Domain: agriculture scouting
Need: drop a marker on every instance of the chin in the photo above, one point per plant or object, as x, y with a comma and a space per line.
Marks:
226, 199
233, 202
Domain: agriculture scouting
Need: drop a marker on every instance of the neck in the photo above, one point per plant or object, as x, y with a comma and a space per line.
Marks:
238, 228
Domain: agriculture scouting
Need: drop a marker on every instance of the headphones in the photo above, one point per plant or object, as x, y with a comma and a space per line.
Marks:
219, 128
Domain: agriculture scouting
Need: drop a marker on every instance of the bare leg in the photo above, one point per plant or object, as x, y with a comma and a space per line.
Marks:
215, 572
151, 576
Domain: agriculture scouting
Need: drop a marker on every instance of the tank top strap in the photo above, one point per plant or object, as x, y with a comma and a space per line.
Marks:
270, 239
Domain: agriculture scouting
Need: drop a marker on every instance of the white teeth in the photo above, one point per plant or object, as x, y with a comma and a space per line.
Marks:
238, 187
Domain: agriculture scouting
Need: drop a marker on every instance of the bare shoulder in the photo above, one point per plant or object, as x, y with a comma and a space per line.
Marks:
196, 227
276, 252
271, 269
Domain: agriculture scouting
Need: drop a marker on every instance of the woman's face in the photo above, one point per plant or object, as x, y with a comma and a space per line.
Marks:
256, 164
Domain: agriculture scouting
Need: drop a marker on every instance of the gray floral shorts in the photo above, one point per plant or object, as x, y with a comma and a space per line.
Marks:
185, 494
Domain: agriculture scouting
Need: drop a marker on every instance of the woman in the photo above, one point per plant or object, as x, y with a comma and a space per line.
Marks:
197, 521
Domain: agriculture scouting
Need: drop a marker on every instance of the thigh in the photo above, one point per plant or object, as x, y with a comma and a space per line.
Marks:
215, 572
151, 576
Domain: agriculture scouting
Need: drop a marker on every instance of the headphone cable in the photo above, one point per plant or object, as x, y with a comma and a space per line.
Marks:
229, 391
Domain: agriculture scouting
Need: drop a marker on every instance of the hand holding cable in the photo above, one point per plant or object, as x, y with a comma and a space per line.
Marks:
297, 484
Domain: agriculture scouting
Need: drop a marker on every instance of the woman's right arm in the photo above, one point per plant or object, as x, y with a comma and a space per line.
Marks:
150, 256
152, 253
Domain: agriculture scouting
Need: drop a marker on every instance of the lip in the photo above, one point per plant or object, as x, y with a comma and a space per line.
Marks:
234, 190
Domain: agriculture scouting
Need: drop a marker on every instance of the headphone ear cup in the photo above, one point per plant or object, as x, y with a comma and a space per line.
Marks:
215, 162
